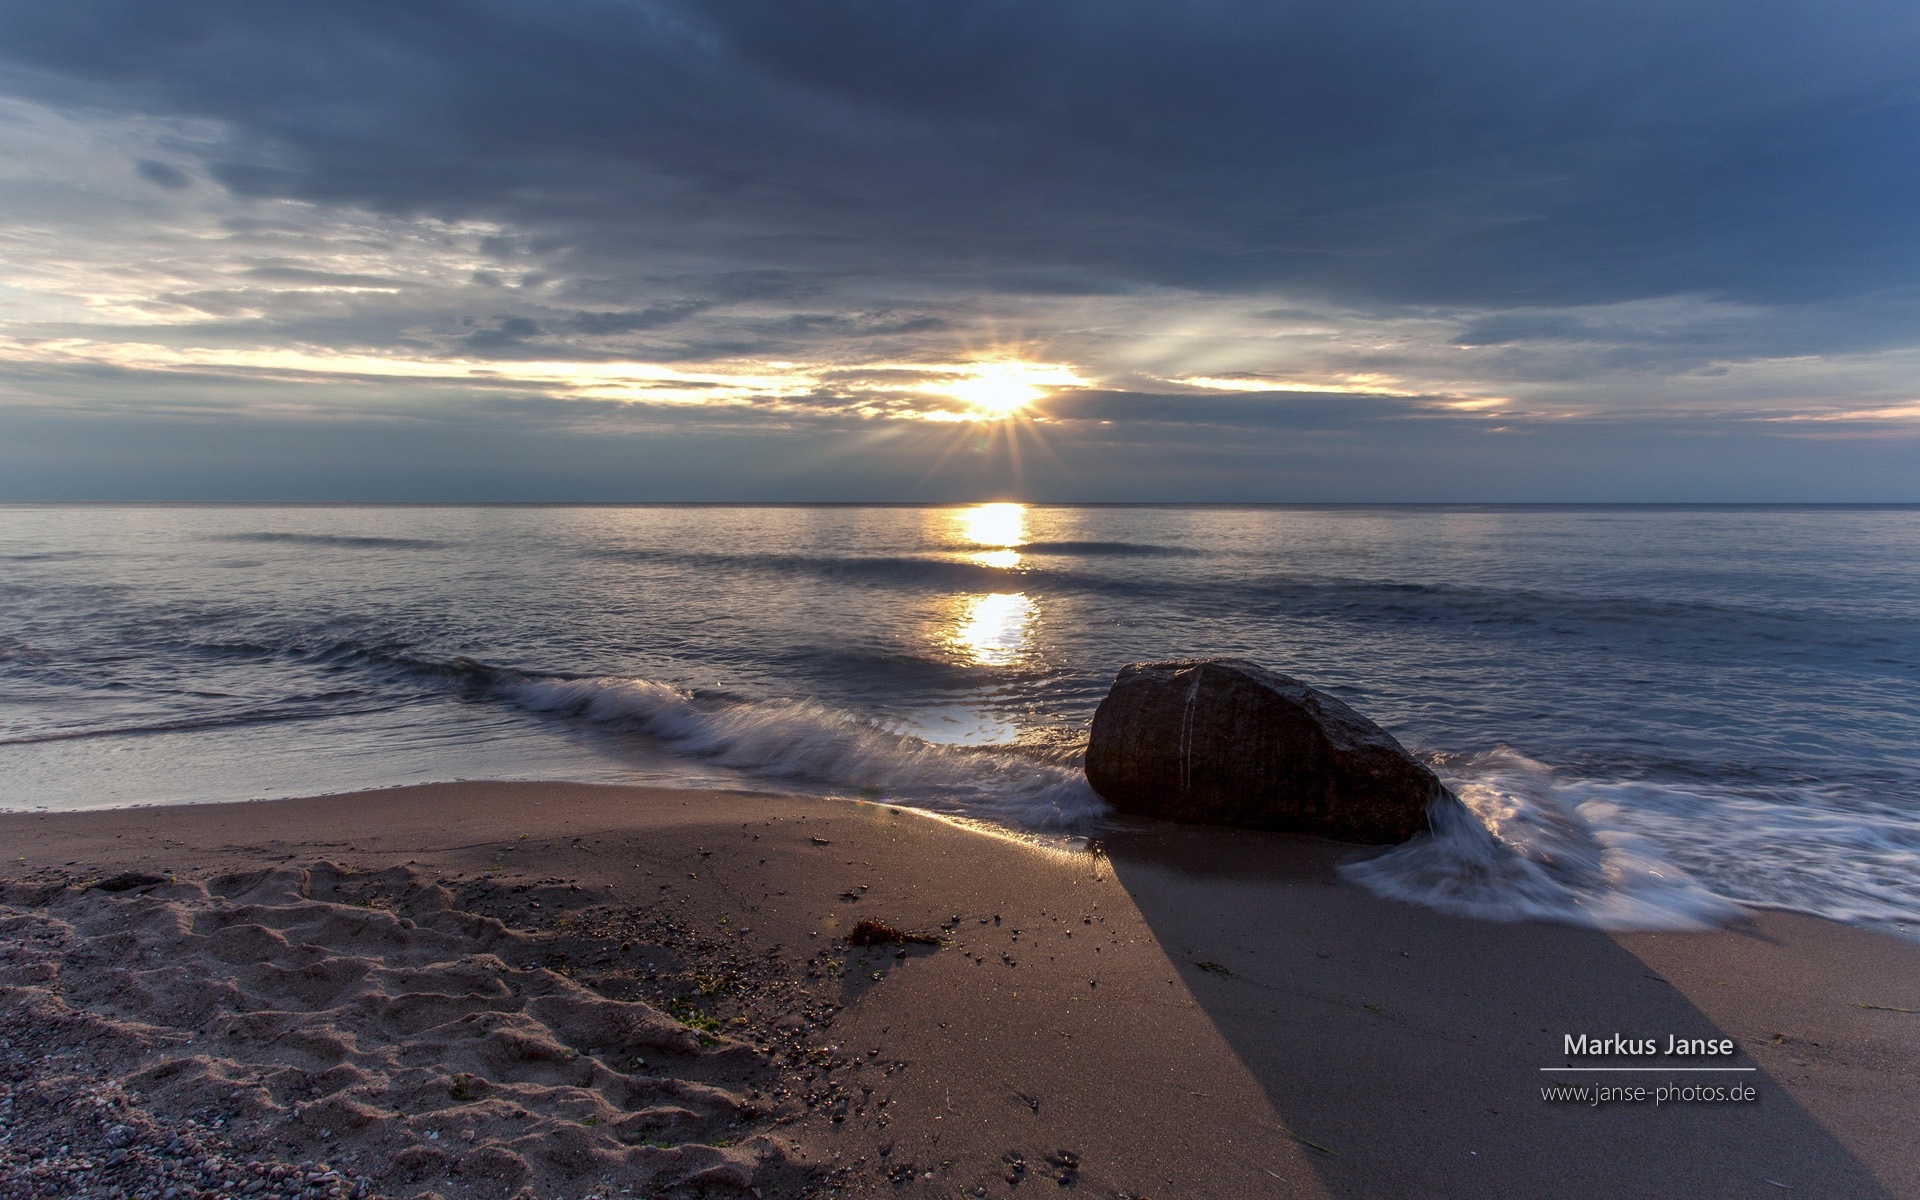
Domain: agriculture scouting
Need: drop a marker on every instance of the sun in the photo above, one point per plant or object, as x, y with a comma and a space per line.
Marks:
1001, 389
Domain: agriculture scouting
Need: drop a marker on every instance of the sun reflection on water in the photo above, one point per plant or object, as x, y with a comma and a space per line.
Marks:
993, 629
1000, 526
990, 630
1004, 560
993, 524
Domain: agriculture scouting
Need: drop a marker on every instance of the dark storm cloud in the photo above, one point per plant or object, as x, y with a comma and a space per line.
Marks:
1414, 152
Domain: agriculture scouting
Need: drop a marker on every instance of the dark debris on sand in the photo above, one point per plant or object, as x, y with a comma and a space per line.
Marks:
879, 933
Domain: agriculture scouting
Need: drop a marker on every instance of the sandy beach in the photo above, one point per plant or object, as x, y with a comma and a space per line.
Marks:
495, 989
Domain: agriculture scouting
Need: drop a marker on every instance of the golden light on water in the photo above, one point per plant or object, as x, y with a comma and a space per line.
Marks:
990, 630
1004, 560
1002, 524
993, 628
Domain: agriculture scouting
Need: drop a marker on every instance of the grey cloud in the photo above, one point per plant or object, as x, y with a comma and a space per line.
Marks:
685, 180
313, 278
886, 326
1685, 336
634, 320
878, 324
1041, 283
505, 332
1268, 410
765, 284
161, 174
214, 302
1378, 151
1501, 328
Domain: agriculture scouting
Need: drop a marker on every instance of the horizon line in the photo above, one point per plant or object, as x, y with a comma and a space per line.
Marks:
1457, 504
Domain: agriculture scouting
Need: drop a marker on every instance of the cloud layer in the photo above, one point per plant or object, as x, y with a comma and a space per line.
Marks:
799, 219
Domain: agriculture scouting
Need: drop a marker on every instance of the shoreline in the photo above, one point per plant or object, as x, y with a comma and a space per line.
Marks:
1187, 1012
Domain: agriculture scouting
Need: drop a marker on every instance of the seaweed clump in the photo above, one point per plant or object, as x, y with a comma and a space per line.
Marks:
879, 933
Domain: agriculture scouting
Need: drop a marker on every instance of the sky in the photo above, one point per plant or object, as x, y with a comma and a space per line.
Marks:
903, 250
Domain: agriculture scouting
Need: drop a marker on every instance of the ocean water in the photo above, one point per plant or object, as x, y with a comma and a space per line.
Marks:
1650, 715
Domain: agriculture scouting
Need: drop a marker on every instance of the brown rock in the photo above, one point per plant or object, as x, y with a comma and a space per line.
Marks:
1223, 741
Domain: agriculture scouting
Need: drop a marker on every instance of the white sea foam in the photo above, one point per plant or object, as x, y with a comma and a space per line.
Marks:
1516, 846
808, 743
1803, 848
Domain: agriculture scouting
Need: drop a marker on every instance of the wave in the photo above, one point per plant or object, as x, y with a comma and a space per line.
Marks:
15, 650
1102, 549
807, 743
1659, 842
884, 569
333, 539
309, 709
1507, 846
1402, 601
1354, 600
344, 652
1817, 848
892, 672
1521, 842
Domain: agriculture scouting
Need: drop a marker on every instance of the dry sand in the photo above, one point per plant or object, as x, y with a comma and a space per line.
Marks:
474, 989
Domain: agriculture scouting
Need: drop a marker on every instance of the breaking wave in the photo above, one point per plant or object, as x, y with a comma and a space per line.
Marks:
807, 744
1511, 848
1522, 842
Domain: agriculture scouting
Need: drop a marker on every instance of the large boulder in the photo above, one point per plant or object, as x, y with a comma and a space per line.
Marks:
1223, 741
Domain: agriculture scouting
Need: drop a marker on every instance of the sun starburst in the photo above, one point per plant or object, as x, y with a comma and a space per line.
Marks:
1004, 388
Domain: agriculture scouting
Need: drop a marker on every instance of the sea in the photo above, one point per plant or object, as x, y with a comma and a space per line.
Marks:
1652, 717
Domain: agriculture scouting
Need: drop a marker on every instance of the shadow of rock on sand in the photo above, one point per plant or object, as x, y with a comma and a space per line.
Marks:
1404, 1047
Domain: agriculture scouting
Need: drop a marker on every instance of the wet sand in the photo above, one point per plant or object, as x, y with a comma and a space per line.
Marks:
472, 989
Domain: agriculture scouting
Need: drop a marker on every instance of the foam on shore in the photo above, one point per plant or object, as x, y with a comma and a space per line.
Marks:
1527, 841
806, 742
1515, 847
